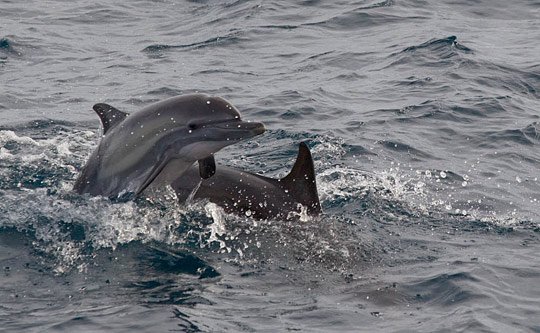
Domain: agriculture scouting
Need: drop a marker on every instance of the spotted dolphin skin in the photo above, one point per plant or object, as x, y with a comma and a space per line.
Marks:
155, 145
257, 196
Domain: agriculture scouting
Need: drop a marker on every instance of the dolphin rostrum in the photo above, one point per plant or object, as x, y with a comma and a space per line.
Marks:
160, 142
257, 196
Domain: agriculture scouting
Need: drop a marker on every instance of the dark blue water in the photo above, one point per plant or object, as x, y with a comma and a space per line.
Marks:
423, 120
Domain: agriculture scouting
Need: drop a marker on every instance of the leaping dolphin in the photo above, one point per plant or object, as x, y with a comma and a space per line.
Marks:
160, 142
253, 195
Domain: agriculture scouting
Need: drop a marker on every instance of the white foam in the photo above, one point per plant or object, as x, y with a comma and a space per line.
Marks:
217, 228
6, 135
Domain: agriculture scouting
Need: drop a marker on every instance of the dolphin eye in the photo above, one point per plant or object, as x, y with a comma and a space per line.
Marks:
192, 126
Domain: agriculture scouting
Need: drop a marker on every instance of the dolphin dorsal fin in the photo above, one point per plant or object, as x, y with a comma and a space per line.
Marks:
109, 115
301, 183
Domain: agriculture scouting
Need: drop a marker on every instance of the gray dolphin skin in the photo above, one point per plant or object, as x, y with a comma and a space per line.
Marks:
160, 142
253, 195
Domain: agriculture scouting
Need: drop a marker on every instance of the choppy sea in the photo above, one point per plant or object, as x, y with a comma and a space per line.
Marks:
423, 118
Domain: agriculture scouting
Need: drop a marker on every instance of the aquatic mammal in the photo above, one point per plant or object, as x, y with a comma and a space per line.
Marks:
160, 142
261, 197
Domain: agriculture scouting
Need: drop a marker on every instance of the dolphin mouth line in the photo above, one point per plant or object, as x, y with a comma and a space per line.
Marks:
223, 122
239, 126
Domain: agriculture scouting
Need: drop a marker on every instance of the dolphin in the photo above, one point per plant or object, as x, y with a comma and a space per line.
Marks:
260, 197
159, 142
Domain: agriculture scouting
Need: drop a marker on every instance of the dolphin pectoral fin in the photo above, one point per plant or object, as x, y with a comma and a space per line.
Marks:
301, 183
156, 170
207, 167
109, 115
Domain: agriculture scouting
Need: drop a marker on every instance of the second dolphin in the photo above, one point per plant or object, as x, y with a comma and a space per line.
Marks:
260, 197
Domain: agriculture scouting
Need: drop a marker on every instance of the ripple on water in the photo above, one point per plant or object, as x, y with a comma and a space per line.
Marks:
444, 290
220, 41
7, 48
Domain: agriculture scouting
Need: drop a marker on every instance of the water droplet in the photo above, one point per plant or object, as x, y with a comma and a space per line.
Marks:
248, 213
518, 179
207, 102
443, 174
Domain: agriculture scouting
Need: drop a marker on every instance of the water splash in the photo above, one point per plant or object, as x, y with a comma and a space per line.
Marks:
38, 171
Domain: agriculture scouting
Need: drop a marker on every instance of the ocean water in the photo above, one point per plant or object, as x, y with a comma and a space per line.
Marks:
423, 120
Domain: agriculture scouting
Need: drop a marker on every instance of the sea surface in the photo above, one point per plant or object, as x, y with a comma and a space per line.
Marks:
423, 118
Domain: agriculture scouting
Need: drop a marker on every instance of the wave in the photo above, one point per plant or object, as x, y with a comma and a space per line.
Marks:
434, 53
220, 41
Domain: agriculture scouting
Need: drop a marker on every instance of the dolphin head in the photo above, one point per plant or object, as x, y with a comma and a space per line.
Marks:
196, 126
218, 124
